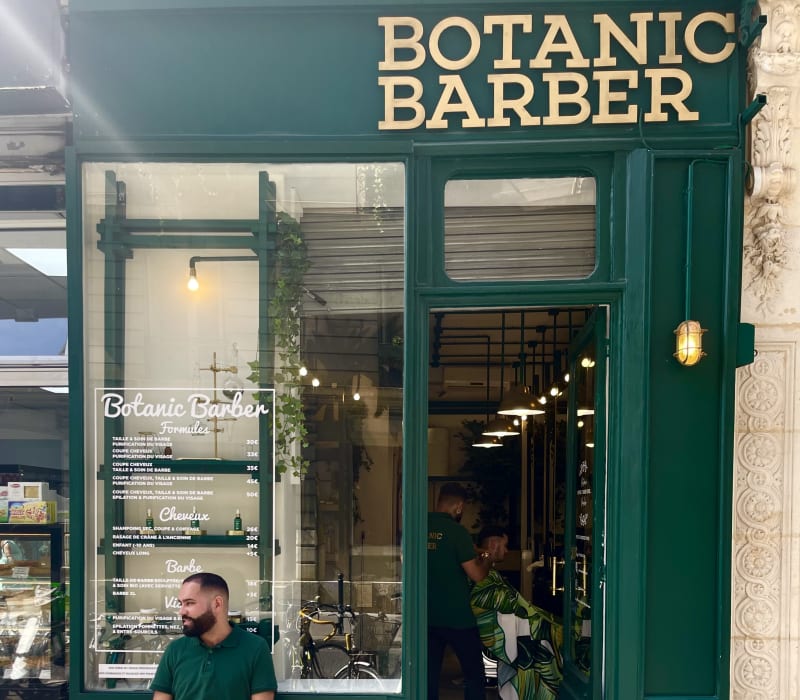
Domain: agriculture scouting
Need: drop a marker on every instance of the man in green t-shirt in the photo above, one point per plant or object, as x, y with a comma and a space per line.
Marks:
452, 563
214, 660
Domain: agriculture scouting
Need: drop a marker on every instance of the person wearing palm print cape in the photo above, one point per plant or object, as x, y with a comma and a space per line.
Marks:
525, 640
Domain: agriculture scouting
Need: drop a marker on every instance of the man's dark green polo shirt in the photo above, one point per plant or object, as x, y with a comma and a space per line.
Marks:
449, 545
233, 670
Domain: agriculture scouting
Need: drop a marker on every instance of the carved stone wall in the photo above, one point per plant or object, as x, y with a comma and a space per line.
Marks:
762, 556
765, 626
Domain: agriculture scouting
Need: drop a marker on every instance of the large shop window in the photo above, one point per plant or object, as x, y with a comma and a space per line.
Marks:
520, 228
251, 425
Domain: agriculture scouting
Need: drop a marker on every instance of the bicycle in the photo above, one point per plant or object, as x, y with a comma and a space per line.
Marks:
331, 659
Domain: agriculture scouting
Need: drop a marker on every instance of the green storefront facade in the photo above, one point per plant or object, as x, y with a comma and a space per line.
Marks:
198, 124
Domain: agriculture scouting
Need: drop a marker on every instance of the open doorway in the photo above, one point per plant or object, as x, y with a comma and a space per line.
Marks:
481, 362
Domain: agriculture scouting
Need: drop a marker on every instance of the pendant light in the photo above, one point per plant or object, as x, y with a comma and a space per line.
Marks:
519, 401
501, 426
487, 441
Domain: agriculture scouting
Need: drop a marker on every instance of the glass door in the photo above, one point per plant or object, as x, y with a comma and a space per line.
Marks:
585, 518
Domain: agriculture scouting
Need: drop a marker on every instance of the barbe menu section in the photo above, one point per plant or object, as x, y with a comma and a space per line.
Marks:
178, 491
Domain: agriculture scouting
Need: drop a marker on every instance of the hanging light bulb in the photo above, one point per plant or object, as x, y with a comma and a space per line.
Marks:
500, 427
554, 390
488, 441
566, 378
192, 285
315, 382
519, 402
303, 371
356, 396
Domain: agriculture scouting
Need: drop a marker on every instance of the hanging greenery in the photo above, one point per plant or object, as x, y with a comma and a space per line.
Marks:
291, 264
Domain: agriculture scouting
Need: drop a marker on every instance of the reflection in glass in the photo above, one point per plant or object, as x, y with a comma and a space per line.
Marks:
581, 603
300, 327
520, 228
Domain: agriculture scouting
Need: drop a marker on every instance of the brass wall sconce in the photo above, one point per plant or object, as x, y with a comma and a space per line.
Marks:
689, 343
689, 334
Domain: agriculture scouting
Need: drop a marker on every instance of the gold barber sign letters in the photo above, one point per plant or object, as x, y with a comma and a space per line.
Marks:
520, 49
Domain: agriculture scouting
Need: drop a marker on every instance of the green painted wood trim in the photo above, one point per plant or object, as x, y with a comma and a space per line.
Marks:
77, 504
732, 312
415, 441
627, 494
265, 233
253, 150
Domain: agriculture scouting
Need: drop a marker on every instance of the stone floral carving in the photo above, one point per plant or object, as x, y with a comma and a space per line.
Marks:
774, 65
759, 610
766, 249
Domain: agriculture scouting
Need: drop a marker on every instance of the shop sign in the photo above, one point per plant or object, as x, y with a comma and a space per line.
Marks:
655, 85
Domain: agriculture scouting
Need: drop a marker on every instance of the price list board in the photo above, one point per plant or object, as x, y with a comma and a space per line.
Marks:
178, 492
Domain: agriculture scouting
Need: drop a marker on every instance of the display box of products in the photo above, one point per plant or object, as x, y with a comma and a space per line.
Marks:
28, 491
37, 512
3, 510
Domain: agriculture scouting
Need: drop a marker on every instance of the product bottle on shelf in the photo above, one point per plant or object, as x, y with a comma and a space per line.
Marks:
149, 523
237, 521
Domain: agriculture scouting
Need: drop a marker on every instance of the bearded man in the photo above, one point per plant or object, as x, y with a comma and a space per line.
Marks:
214, 660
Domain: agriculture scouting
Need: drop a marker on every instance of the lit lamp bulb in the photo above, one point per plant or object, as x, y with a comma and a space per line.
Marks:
303, 371
689, 343
315, 382
356, 397
554, 390
193, 285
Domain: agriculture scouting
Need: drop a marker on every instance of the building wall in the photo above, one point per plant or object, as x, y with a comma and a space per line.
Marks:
765, 626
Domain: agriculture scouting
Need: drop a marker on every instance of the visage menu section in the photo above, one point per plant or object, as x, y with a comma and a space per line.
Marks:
178, 492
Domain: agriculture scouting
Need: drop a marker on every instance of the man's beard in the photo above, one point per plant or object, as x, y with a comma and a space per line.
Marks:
199, 625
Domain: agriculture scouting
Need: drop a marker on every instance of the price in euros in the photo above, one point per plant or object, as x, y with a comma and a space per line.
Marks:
252, 494
252, 467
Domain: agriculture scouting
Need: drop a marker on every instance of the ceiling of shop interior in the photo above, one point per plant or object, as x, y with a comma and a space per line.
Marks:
475, 350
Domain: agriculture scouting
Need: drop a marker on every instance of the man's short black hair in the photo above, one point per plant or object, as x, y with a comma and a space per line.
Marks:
451, 491
492, 531
209, 582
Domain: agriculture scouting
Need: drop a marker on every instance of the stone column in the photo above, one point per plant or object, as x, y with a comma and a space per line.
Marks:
765, 626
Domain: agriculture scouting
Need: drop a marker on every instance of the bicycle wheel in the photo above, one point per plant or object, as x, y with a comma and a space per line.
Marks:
358, 670
328, 660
